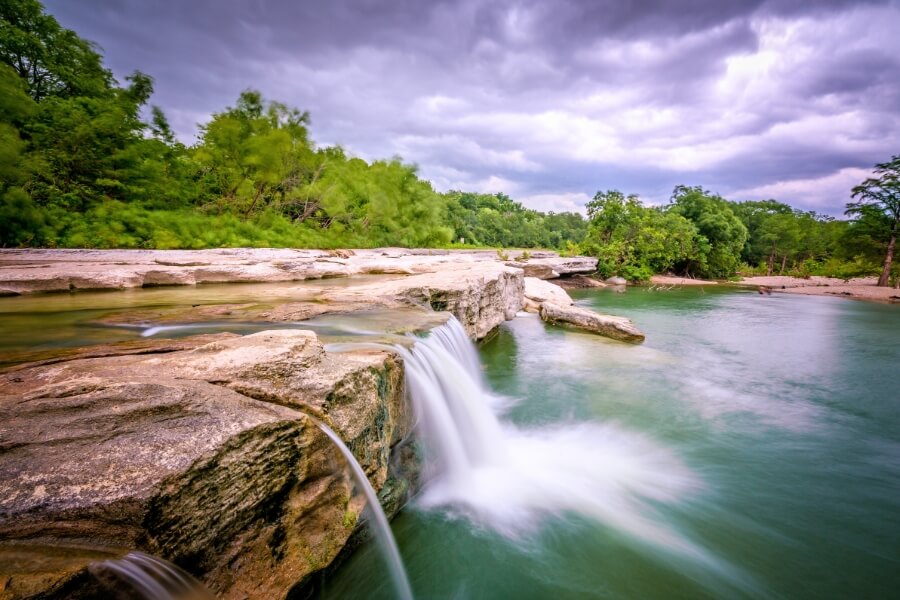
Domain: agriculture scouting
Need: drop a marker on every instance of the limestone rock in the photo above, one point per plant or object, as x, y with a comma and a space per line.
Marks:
480, 295
204, 456
618, 328
567, 265
616, 280
535, 269
539, 291
35, 270
579, 282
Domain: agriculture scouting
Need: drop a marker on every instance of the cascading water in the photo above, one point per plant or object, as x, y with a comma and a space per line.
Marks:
381, 527
506, 478
141, 576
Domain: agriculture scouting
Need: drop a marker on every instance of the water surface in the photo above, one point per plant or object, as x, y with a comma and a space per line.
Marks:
785, 409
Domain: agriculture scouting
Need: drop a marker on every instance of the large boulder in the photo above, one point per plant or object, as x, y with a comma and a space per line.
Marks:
207, 457
618, 328
580, 282
535, 269
481, 295
567, 265
538, 291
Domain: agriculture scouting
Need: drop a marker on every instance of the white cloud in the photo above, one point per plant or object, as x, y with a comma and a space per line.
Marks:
814, 193
562, 202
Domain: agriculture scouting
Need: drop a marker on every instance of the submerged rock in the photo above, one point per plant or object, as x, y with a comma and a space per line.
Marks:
618, 328
206, 457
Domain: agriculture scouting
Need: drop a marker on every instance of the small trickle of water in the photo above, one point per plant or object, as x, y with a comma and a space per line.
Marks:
139, 576
381, 526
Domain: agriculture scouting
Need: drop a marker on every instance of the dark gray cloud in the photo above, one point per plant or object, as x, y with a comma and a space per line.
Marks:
548, 100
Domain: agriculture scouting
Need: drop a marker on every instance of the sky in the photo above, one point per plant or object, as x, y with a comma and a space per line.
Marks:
547, 101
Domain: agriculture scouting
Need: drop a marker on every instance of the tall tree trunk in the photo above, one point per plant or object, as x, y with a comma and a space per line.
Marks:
259, 190
783, 263
888, 258
771, 264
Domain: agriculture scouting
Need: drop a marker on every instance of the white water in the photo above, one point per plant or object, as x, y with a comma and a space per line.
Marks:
139, 575
382, 528
508, 478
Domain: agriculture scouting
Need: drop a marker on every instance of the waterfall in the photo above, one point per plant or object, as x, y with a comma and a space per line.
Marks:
381, 527
139, 575
508, 478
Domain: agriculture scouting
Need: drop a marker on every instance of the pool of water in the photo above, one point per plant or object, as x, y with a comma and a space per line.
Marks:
784, 410
41, 322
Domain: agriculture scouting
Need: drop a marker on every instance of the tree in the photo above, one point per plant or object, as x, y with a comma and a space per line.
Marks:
722, 235
254, 154
635, 241
881, 194
51, 60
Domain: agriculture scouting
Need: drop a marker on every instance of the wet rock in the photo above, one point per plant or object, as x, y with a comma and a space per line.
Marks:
616, 280
618, 328
206, 457
20, 360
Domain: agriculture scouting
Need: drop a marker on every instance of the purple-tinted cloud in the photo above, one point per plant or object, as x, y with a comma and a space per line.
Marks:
546, 100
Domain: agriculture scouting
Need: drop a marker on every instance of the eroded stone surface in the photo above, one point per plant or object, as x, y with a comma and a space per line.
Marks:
618, 328
535, 269
35, 270
204, 456
480, 295
537, 292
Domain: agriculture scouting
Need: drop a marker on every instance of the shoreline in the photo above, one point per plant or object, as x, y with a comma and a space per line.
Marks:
853, 289
673, 280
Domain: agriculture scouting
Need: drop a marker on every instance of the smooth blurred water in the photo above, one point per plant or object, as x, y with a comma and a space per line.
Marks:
39, 323
785, 409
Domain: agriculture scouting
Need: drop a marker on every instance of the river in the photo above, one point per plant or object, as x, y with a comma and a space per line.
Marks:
749, 448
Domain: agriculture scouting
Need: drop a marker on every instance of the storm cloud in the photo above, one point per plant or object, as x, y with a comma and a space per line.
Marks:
545, 100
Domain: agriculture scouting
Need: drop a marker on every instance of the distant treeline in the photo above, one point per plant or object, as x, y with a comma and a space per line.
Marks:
703, 235
86, 162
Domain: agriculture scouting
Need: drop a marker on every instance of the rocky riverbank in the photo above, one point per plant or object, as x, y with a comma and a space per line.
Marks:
204, 450
856, 289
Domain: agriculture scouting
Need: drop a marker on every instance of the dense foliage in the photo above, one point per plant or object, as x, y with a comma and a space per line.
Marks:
635, 241
701, 234
87, 162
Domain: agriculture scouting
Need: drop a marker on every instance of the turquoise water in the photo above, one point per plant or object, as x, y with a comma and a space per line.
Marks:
785, 409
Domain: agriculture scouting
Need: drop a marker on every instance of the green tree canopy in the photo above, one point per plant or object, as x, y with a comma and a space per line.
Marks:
722, 235
635, 241
880, 195
51, 60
